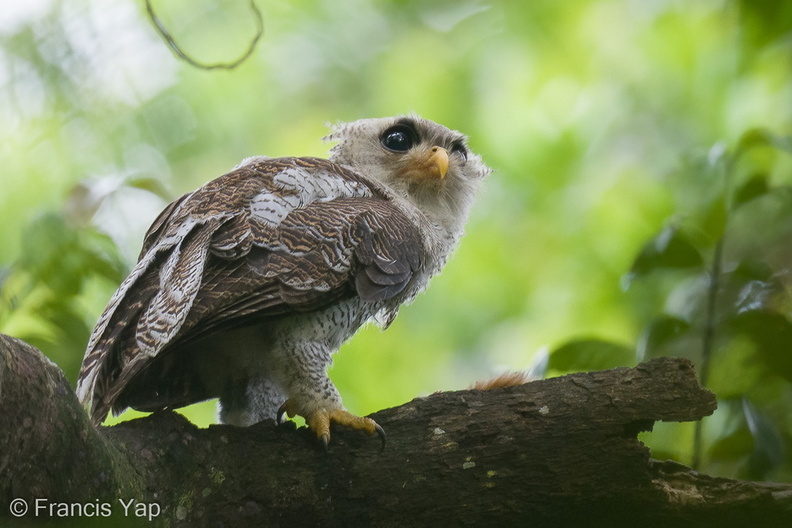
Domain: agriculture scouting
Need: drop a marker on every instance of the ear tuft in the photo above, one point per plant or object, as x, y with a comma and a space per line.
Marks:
337, 131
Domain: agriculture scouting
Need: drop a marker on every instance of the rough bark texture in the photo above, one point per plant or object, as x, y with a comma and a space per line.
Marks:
557, 452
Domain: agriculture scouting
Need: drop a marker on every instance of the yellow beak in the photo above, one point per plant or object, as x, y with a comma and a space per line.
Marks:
439, 157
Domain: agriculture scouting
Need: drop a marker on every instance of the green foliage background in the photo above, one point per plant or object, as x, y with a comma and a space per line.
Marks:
640, 205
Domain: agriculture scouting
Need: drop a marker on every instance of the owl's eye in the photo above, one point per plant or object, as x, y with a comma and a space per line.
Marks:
399, 138
460, 149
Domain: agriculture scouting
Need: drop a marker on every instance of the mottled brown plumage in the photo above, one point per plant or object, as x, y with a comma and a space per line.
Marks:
245, 287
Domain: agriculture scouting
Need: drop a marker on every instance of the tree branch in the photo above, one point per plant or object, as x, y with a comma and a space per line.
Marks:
555, 452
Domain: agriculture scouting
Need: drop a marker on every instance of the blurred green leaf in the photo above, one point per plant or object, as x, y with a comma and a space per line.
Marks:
755, 295
756, 186
50, 254
669, 249
735, 368
101, 256
751, 286
590, 354
764, 21
43, 292
754, 269
753, 138
772, 334
760, 137
62, 257
769, 449
732, 447
152, 185
659, 334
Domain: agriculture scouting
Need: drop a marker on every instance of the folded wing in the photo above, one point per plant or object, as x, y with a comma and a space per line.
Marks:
272, 238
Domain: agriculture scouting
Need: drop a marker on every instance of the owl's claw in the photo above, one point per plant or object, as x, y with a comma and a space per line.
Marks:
319, 422
284, 410
381, 433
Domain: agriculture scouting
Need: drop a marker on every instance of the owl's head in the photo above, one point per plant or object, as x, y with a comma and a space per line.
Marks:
418, 159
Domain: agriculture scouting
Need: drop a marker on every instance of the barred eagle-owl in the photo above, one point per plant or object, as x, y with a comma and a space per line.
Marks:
246, 287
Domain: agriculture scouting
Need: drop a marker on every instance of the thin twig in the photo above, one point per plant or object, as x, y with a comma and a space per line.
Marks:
708, 338
716, 270
171, 42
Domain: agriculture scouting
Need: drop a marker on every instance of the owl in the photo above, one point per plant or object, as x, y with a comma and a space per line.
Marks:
245, 288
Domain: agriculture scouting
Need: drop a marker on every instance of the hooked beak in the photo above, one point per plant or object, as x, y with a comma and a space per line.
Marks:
439, 158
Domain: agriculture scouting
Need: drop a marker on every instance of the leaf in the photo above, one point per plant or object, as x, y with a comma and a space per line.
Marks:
732, 447
755, 187
659, 334
760, 137
669, 249
590, 354
735, 368
755, 295
151, 185
772, 333
751, 286
755, 137
769, 449
42, 239
101, 255
50, 254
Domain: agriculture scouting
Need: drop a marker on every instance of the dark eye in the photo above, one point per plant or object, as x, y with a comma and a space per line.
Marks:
460, 149
399, 138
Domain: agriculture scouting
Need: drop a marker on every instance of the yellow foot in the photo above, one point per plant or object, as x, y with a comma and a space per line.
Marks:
319, 422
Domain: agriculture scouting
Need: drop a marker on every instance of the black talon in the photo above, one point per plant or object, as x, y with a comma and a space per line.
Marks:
325, 440
281, 412
381, 433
